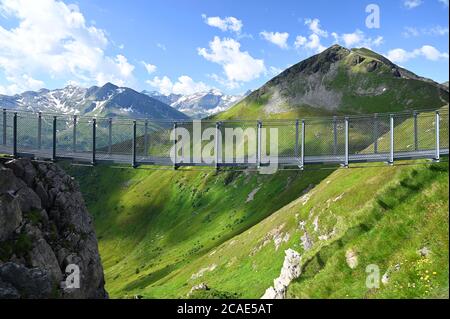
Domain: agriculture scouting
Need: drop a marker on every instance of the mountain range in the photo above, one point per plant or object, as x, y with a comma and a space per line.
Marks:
108, 100
199, 104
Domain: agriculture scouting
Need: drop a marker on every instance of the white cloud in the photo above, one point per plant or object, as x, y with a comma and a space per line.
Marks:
444, 2
151, 68
226, 24
300, 41
53, 39
431, 31
357, 38
410, 4
313, 41
314, 26
20, 84
238, 66
427, 51
277, 38
184, 85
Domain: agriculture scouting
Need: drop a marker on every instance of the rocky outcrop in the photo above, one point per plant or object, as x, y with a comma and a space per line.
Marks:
48, 248
291, 270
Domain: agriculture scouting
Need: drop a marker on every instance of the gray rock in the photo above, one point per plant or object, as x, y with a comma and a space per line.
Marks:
41, 201
10, 215
30, 282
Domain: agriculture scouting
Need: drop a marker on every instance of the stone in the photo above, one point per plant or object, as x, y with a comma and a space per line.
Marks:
10, 215
351, 258
290, 270
28, 200
424, 251
30, 282
42, 256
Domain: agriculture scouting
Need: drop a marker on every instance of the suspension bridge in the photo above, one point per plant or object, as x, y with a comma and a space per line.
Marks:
336, 140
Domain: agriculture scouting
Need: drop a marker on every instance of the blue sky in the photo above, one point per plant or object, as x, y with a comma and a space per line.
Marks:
190, 45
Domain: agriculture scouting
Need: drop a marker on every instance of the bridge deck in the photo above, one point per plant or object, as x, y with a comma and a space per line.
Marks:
162, 160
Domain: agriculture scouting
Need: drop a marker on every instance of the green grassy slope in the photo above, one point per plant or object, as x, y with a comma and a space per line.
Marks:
151, 224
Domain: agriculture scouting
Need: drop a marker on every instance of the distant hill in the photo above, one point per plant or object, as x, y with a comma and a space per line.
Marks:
108, 100
340, 80
199, 104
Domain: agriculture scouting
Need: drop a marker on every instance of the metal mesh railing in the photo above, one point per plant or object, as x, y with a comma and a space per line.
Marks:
374, 137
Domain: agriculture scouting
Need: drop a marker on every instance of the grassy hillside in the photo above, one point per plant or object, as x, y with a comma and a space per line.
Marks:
153, 223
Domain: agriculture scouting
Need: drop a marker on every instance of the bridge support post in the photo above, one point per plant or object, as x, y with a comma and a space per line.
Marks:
218, 145
391, 141
259, 143
437, 155
375, 133
74, 134
54, 139
94, 140
146, 138
335, 139
39, 132
302, 146
4, 127
346, 143
175, 146
133, 149
296, 140
416, 140
15, 155
109, 136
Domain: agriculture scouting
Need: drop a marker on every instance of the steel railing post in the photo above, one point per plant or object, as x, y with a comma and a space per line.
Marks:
375, 133
302, 145
416, 139
259, 144
94, 140
391, 148
15, 135
39, 133
175, 146
54, 138
218, 145
4, 127
335, 139
437, 155
296, 139
346, 143
74, 134
146, 138
133, 163
109, 136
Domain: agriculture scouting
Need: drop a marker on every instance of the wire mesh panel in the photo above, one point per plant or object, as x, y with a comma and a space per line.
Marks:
83, 138
287, 138
159, 142
324, 137
64, 136
443, 129
6, 142
404, 140
240, 142
103, 138
27, 132
426, 131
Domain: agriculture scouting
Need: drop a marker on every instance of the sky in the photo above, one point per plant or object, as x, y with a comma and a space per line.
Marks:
186, 46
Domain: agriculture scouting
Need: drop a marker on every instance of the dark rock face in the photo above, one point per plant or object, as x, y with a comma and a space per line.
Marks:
46, 235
